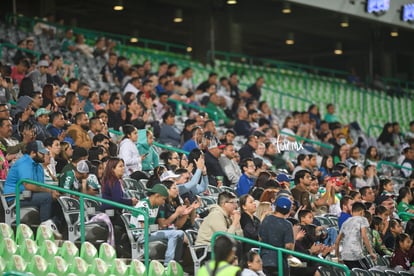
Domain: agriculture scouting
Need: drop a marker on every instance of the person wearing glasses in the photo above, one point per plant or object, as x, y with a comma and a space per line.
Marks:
246, 181
222, 217
252, 265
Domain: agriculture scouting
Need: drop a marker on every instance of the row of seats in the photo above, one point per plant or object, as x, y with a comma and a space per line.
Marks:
331, 271
41, 255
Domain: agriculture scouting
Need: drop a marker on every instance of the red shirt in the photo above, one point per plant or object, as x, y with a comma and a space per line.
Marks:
17, 76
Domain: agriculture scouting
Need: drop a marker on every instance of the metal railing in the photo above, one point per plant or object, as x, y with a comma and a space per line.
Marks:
300, 138
167, 147
180, 104
82, 210
279, 251
395, 165
170, 148
93, 35
12, 46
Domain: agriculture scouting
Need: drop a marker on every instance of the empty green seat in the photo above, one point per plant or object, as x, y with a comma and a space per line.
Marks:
28, 249
6, 231
100, 267
174, 269
88, 252
8, 248
156, 268
44, 233
107, 252
23, 232
3, 265
79, 267
119, 267
17, 263
38, 265
137, 268
49, 249
59, 266
69, 251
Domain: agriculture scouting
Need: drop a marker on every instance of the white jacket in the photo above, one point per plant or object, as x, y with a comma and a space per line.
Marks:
129, 153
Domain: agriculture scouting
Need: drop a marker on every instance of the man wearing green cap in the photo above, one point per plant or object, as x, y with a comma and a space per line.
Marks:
156, 197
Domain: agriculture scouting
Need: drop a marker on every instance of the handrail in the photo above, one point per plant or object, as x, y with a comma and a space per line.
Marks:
279, 252
10, 45
328, 146
210, 112
82, 210
155, 143
170, 148
278, 63
411, 215
395, 165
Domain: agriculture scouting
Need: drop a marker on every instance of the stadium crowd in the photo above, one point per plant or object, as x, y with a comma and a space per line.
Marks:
273, 186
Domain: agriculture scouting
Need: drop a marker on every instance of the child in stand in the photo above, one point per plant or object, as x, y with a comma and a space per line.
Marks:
386, 187
402, 257
377, 226
354, 236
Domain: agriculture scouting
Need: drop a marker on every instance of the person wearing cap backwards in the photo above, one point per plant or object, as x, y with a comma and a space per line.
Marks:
156, 197
283, 237
42, 120
29, 167
73, 179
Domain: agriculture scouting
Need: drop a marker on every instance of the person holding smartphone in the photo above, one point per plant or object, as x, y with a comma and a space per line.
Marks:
149, 156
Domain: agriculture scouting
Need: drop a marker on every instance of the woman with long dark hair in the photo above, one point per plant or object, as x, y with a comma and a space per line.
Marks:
386, 136
155, 177
248, 221
130, 113
49, 97
224, 255
175, 213
171, 160
326, 167
112, 188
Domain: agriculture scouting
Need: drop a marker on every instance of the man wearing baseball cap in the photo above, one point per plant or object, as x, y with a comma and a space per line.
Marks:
214, 170
72, 179
29, 167
42, 120
174, 238
283, 237
40, 76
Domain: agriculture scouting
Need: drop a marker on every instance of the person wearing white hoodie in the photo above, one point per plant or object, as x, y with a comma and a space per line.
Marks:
128, 150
